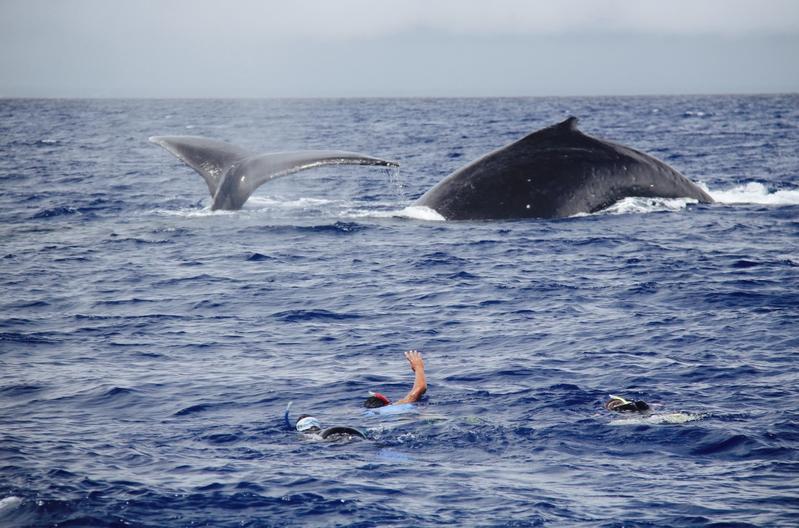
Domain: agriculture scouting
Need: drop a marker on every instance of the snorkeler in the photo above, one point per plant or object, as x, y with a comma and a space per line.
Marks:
619, 404
637, 412
376, 399
310, 425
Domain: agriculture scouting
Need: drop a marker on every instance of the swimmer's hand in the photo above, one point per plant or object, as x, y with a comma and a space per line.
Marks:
415, 359
419, 382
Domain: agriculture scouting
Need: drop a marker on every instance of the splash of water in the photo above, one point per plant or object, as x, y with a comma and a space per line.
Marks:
638, 205
420, 212
9, 503
748, 193
755, 193
658, 419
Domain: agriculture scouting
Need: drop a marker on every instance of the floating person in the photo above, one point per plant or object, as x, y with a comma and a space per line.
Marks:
638, 412
619, 404
310, 425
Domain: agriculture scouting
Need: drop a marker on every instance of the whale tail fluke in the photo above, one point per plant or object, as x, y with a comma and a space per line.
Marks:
211, 158
233, 174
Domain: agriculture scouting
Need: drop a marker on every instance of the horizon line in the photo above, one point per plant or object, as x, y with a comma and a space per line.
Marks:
323, 97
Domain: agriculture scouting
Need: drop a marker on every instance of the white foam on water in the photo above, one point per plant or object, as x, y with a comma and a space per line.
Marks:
9, 503
657, 419
420, 212
754, 193
190, 213
639, 205
368, 213
254, 204
748, 193
273, 202
413, 212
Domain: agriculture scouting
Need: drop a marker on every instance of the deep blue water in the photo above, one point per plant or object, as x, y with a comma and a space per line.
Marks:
149, 346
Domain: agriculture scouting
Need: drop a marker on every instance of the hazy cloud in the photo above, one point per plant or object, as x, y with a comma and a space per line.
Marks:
354, 18
265, 19
395, 47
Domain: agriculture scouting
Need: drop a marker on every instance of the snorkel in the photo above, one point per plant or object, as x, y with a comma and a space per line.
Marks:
376, 399
286, 418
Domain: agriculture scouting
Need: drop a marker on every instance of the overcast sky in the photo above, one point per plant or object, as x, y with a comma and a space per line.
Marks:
318, 48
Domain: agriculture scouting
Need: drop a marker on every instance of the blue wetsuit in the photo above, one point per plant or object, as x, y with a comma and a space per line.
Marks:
390, 410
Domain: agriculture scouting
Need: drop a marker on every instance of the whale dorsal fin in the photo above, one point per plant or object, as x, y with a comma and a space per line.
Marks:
209, 157
569, 124
553, 132
566, 126
260, 169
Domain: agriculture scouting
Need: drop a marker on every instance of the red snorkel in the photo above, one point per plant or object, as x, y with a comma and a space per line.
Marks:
380, 397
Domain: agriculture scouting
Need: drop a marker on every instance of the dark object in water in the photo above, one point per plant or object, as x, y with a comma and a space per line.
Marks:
341, 430
555, 172
619, 404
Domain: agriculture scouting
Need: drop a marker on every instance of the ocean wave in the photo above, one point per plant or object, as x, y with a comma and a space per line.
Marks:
754, 193
54, 212
23, 338
336, 227
728, 445
113, 414
14, 391
199, 408
439, 258
294, 316
258, 257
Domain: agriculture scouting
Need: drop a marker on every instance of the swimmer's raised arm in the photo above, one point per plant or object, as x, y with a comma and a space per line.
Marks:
419, 382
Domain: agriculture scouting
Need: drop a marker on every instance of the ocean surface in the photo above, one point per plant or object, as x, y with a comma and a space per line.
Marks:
149, 346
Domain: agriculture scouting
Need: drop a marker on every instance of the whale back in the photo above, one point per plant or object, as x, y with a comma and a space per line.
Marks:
553, 173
